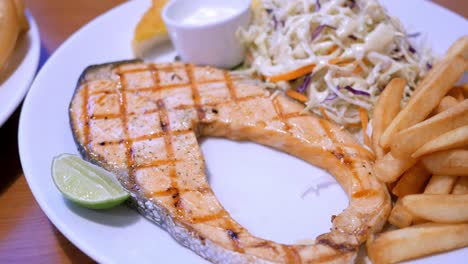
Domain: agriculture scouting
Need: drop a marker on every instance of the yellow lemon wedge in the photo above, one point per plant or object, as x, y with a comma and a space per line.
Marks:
150, 30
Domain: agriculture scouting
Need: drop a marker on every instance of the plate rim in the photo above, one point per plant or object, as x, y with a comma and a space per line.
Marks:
93, 254
437, 5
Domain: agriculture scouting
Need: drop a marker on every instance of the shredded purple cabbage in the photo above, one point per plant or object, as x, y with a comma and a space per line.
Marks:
269, 10
411, 49
305, 84
413, 35
317, 5
330, 97
354, 91
275, 22
319, 30
429, 66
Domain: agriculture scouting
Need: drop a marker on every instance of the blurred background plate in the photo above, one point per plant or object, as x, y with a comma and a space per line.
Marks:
16, 78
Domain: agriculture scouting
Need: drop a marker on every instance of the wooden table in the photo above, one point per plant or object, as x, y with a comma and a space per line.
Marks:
26, 235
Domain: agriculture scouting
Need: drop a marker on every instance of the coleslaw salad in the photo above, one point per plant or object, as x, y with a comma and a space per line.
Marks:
336, 56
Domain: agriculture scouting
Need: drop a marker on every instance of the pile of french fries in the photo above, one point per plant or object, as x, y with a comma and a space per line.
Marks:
422, 156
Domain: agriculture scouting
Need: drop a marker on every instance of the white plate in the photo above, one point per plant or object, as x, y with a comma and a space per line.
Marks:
260, 187
16, 78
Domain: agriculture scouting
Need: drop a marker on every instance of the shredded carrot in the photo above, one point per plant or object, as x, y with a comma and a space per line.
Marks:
324, 114
340, 61
298, 96
334, 61
332, 49
309, 68
366, 62
358, 68
292, 74
365, 123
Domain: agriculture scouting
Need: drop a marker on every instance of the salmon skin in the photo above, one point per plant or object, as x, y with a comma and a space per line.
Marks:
141, 121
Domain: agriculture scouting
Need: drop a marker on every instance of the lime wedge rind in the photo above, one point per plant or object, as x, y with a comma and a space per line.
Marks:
86, 184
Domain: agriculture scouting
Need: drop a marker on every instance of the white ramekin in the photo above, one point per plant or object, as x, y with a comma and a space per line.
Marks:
212, 43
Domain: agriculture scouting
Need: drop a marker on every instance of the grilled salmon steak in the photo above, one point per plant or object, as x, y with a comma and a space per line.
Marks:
141, 121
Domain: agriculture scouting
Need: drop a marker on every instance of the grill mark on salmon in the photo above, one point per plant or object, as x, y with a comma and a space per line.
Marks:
339, 153
230, 86
164, 120
104, 116
281, 117
180, 107
156, 87
165, 171
127, 141
156, 163
195, 93
230, 228
340, 247
172, 191
146, 137
207, 218
292, 256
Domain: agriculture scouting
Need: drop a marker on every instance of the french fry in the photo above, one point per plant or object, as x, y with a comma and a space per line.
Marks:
409, 140
453, 139
386, 108
446, 103
428, 136
390, 185
461, 186
459, 48
389, 168
435, 86
440, 184
416, 241
412, 181
457, 93
440, 208
418, 220
465, 89
449, 162
399, 216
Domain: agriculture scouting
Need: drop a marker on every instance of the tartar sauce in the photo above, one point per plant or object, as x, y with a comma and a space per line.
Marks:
205, 15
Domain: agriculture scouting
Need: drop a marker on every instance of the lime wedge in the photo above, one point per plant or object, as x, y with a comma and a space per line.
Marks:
86, 184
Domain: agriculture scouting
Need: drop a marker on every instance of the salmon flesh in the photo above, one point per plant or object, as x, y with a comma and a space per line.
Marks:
141, 121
